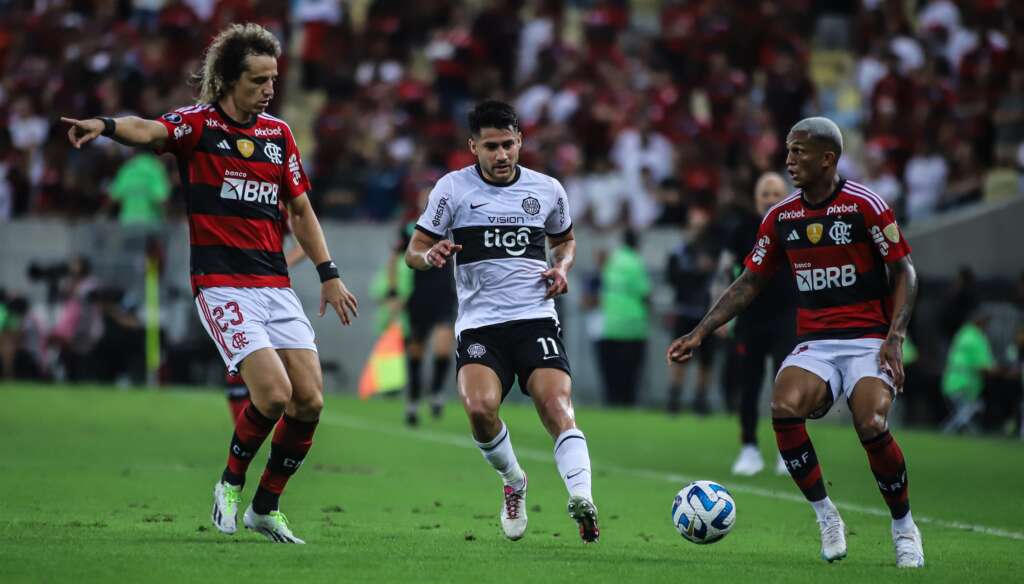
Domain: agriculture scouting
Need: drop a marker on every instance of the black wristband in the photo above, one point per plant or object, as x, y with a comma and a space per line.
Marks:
109, 126
327, 270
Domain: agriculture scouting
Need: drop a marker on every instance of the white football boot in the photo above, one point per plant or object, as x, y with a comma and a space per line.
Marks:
833, 536
909, 550
226, 498
273, 526
749, 462
513, 511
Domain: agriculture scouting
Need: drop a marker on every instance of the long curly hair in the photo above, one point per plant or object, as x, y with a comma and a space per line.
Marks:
224, 61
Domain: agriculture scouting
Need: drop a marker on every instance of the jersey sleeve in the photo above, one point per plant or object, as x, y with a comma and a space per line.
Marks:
886, 234
438, 216
183, 130
558, 222
767, 253
296, 180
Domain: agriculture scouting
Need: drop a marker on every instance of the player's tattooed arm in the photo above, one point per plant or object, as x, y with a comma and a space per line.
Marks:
563, 256
735, 298
904, 294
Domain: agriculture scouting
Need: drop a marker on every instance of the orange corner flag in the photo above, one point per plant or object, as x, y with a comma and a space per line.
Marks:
385, 369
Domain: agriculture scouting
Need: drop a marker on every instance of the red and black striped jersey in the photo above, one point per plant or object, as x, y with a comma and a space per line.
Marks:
837, 251
237, 179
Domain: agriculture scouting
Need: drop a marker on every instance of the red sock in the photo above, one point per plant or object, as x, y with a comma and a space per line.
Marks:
890, 470
292, 440
798, 453
237, 405
237, 394
251, 429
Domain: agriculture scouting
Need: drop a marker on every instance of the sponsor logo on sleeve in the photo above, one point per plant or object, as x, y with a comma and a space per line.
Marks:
441, 206
295, 169
760, 249
531, 205
561, 211
879, 239
182, 131
788, 215
174, 118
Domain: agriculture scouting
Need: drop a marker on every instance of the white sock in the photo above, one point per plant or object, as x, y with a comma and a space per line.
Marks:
822, 507
905, 523
499, 453
573, 461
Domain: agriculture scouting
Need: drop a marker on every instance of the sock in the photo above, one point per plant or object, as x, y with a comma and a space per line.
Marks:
904, 523
237, 394
822, 507
498, 452
798, 452
237, 405
292, 440
414, 378
437, 378
573, 461
251, 429
886, 460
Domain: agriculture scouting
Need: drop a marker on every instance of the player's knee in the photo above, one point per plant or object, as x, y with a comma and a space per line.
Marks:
309, 406
787, 407
870, 424
274, 403
482, 413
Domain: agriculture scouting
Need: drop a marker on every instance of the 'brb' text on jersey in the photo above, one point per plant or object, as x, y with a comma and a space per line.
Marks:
502, 229
837, 250
236, 179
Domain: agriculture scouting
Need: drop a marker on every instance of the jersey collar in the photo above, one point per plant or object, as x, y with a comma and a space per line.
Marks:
231, 122
480, 173
826, 202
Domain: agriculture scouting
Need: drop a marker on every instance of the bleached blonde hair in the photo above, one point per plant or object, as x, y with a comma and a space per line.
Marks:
224, 61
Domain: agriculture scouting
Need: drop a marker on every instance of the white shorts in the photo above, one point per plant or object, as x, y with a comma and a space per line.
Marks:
243, 320
840, 363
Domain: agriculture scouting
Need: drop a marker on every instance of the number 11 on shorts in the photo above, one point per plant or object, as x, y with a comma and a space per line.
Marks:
544, 341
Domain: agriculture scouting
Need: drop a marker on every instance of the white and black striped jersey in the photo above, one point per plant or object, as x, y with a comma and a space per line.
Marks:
502, 229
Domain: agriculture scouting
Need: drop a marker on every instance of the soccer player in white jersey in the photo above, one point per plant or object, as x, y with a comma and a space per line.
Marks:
492, 220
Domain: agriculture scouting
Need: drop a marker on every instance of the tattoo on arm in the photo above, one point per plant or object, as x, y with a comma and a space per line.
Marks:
904, 295
735, 298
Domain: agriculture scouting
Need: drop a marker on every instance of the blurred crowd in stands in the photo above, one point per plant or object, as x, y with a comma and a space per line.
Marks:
643, 109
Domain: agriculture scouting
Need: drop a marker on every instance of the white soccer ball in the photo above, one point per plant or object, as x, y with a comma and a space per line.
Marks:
703, 512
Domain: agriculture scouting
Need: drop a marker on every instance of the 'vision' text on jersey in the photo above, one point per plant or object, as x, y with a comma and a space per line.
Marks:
502, 230
837, 250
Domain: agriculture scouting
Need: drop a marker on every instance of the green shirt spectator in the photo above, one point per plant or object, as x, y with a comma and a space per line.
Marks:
969, 356
625, 287
141, 186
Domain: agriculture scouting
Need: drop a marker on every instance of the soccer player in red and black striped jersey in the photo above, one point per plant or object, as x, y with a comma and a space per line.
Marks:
856, 286
236, 164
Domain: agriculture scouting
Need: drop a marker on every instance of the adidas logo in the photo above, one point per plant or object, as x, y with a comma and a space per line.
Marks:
793, 236
223, 145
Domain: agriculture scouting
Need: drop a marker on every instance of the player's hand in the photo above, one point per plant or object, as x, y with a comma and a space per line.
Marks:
82, 132
558, 282
890, 358
438, 255
335, 293
681, 350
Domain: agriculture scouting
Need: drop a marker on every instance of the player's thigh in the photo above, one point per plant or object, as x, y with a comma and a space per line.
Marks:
799, 393
480, 389
303, 367
870, 403
267, 379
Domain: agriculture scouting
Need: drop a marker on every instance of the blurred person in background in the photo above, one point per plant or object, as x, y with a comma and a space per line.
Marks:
969, 360
22, 340
690, 269
236, 161
765, 329
79, 323
625, 311
140, 189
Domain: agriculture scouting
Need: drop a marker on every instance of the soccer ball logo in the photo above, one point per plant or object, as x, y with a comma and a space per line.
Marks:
531, 206
703, 512
476, 350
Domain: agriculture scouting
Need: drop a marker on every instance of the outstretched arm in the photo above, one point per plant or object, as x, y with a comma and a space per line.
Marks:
735, 298
904, 294
129, 130
563, 256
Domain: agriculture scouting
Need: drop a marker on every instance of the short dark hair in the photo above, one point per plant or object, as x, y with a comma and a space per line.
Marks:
493, 114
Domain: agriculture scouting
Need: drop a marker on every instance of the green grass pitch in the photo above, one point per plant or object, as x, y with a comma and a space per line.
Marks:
98, 484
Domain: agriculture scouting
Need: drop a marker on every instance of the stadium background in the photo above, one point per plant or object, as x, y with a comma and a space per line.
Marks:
655, 115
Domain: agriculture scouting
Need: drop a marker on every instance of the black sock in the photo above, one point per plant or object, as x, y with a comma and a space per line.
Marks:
440, 371
414, 378
264, 501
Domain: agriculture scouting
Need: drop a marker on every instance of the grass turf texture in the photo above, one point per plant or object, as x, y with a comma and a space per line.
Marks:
107, 485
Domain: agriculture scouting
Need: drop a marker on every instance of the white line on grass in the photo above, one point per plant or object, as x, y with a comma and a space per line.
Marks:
343, 420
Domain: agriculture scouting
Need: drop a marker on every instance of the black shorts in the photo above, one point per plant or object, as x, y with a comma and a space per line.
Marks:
514, 349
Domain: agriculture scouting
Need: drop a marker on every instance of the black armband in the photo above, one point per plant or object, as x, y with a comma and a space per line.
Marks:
328, 271
109, 126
